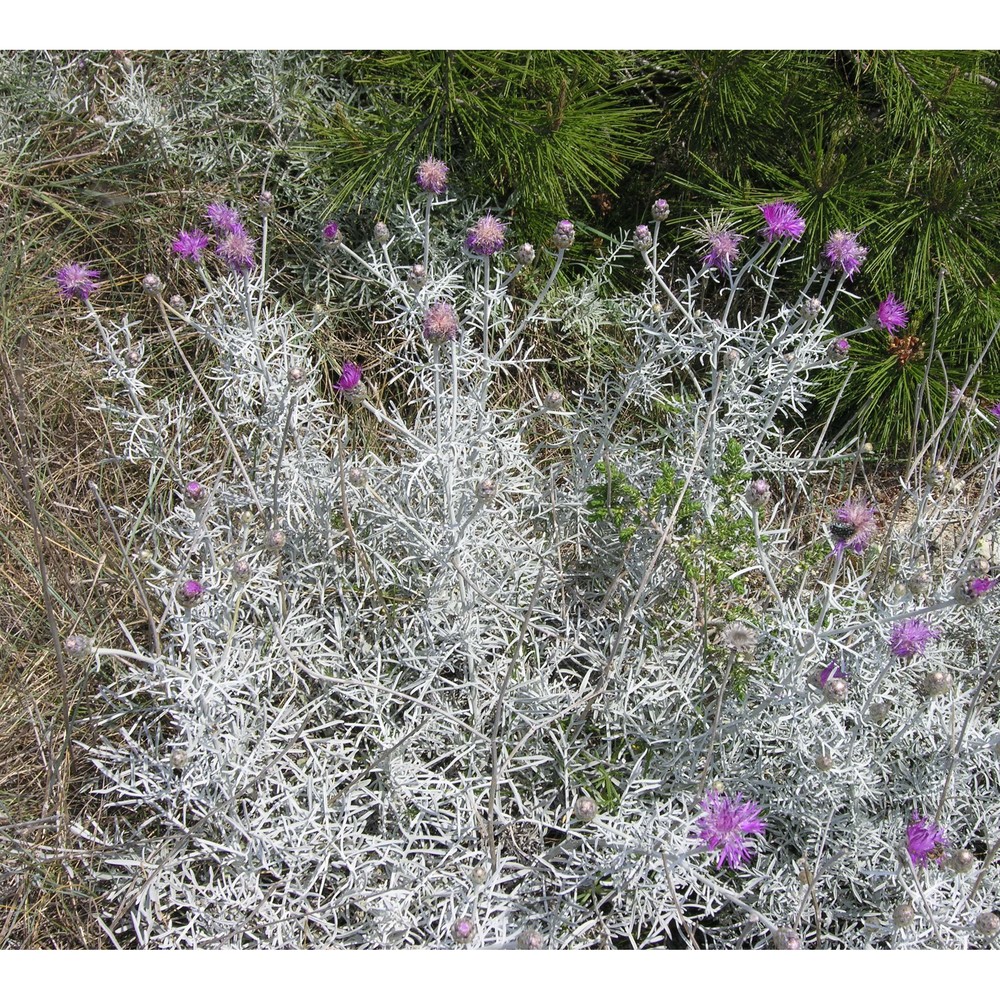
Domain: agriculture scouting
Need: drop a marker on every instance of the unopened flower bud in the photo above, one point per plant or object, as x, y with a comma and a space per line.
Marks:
660, 209
242, 570
265, 204
553, 399
132, 356
78, 647
903, 915
486, 490
731, 358
296, 375
274, 540
879, 711
564, 235
962, 861
785, 939
190, 593
357, 476
867, 448
178, 759
461, 931
987, 923
919, 583
838, 349
936, 683
177, 302
835, 690
824, 762
525, 254
758, 493
381, 233
812, 307
195, 494
530, 940
643, 238
585, 808
478, 875
417, 278
152, 285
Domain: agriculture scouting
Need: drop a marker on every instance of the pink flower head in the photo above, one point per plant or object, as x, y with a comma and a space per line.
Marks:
76, 281
222, 218
844, 253
190, 243
440, 323
925, 841
486, 236
781, 221
830, 671
236, 248
432, 175
891, 315
911, 637
977, 586
350, 377
853, 527
564, 235
995, 409
726, 825
723, 248
191, 592
332, 233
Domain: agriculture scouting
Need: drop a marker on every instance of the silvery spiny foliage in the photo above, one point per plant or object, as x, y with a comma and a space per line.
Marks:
486, 608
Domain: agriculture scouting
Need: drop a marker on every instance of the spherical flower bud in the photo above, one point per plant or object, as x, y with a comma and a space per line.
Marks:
660, 209
190, 593
357, 476
195, 494
275, 539
177, 302
987, 923
553, 399
758, 493
478, 875
525, 254
440, 323
979, 566
530, 940
296, 375
486, 237
838, 349
178, 759
486, 490
812, 307
417, 278
878, 711
919, 583
332, 236
785, 939
78, 647
729, 360
242, 570
265, 204
867, 448
564, 235
643, 238
962, 861
432, 175
903, 915
132, 356
824, 762
151, 285
936, 683
462, 930
835, 691
585, 808
381, 233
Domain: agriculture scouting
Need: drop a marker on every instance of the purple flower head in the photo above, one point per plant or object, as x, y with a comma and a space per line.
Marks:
661, 210
76, 281
191, 592
440, 323
725, 826
486, 236
925, 841
189, 244
222, 218
332, 233
995, 409
781, 221
891, 314
432, 175
723, 246
844, 253
979, 585
643, 237
831, 671
853, 527
911, 637
194, 492
236, 249
350, 377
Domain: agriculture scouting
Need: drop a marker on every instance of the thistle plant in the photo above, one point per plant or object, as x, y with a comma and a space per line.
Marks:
453, 671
